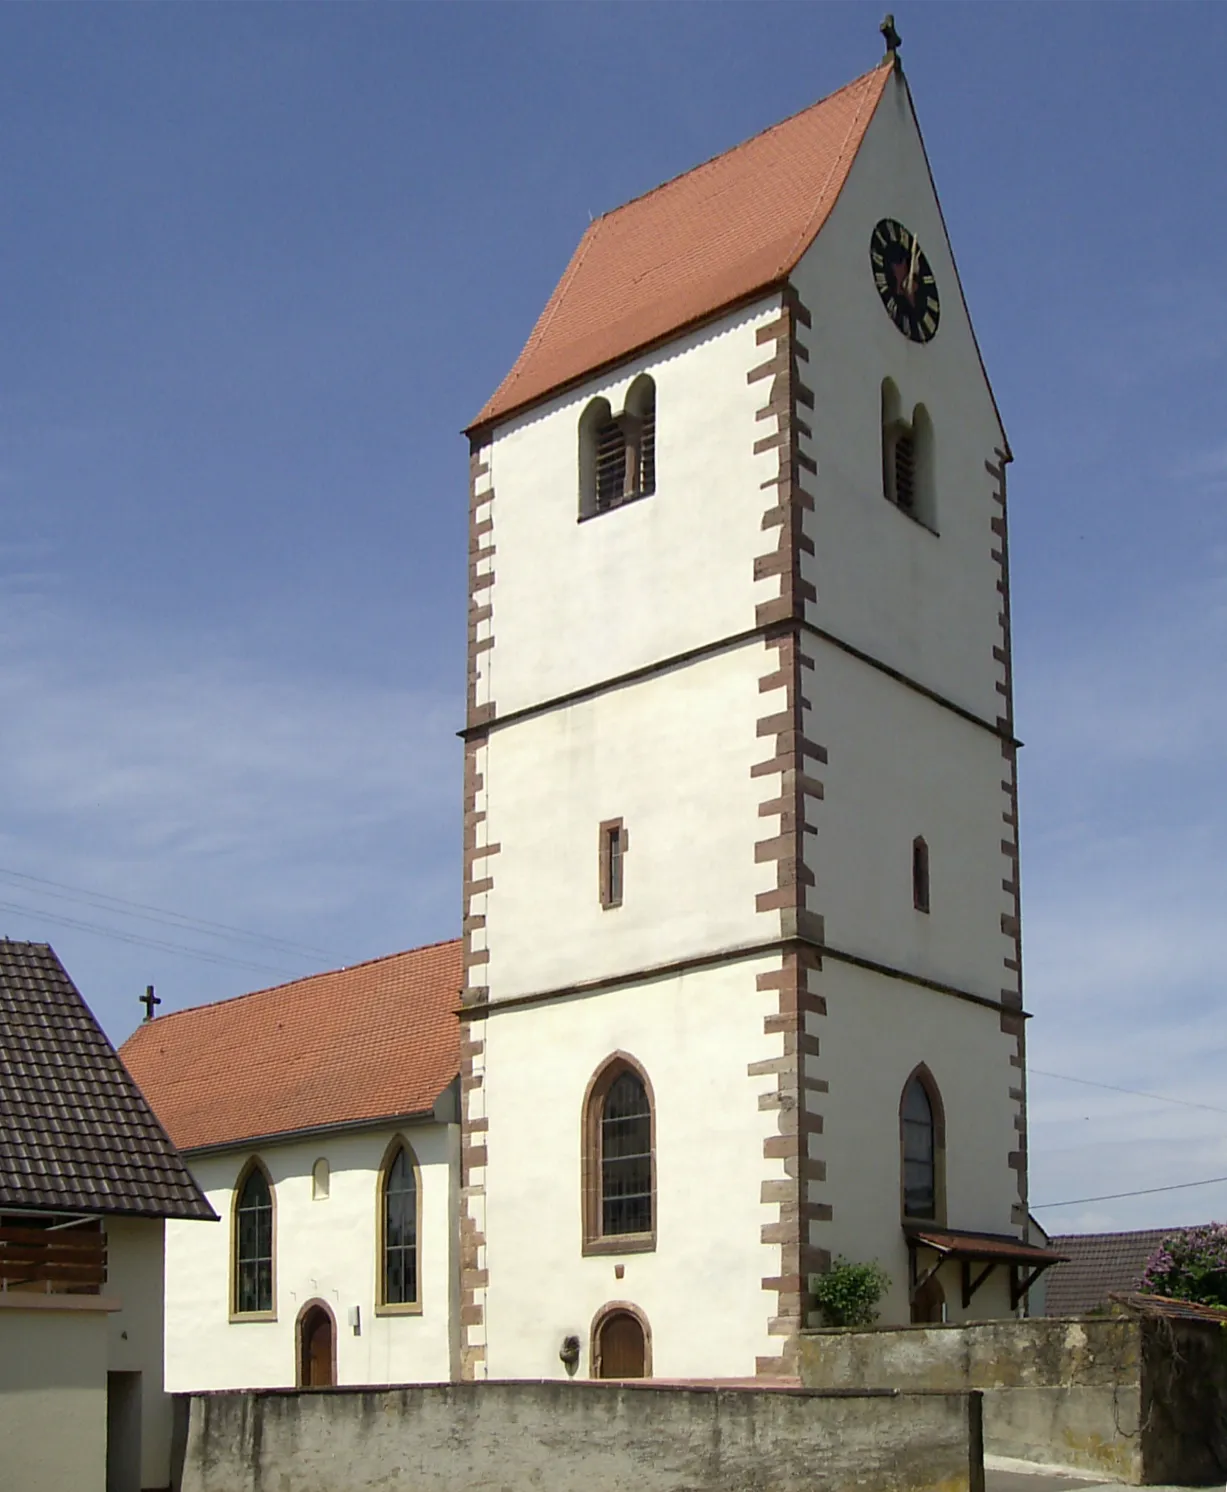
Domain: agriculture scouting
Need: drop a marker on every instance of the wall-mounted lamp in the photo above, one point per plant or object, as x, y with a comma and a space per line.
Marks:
355, 1319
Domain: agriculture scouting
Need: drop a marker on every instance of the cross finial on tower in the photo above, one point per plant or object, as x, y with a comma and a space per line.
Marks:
893, 40
149, 1000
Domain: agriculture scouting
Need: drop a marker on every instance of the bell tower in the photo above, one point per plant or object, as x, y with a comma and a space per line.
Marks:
742, 970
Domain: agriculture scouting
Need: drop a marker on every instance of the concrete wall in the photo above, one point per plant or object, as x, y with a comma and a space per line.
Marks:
1144, 1401
324, 1249
53, 1395
509, 1437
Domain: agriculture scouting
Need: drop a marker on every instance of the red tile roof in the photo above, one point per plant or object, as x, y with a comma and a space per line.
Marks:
375, 1041
703, 241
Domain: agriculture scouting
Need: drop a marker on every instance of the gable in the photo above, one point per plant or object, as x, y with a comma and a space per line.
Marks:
700, 243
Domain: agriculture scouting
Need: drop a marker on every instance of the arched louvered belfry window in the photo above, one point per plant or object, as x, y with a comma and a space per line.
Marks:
253, 1235
617, 452
922, 1143
908, 458
399, 1229
619, 1179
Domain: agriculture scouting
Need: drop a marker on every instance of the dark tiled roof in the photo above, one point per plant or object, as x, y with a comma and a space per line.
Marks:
76, 1134
1099, 1263
380, 1040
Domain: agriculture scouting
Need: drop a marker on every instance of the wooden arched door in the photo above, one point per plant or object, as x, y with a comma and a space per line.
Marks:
316, 1347
621, 1349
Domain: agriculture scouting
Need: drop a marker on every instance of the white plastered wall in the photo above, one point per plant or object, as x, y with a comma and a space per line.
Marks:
874, 1034
325, 1250
670, 755
700, 1289
926, 604
900, 766
135, 1334
577, 603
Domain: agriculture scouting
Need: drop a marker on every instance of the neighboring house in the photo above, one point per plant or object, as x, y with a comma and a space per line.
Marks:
1098, 1265
743, 984
321, 1120
87, 1176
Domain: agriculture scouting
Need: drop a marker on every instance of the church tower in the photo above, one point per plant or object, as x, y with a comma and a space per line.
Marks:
742, 948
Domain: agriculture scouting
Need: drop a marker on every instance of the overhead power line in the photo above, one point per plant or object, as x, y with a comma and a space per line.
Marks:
104, 901
1148, 1191
124, 937
1185, 1103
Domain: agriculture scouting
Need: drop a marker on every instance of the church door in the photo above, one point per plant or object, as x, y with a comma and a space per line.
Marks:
620, 1347
315, 1349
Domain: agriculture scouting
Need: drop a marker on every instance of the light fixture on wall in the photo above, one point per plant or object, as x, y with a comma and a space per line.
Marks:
355, 1319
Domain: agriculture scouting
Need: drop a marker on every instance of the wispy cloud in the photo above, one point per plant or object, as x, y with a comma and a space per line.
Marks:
317, 807
1125, 881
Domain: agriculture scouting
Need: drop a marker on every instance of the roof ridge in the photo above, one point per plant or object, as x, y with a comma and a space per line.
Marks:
741, 144
1127, 1232
271, 989
821, 205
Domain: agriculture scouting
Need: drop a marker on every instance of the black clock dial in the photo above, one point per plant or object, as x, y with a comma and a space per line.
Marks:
904, 280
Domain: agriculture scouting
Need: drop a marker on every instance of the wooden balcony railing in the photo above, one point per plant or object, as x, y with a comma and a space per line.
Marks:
53, 1260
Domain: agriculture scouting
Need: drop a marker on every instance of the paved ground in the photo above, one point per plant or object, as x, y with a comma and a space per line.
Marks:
1025, 1481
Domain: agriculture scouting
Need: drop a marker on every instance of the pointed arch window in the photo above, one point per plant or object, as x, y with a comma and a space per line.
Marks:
922, 1143
619, 1180
399, 1230
253, 1246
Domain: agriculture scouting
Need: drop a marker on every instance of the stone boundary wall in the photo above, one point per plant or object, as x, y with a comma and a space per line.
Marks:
578, 1437
1143, 1400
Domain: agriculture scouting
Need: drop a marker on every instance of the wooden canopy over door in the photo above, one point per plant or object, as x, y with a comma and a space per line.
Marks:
621, 1349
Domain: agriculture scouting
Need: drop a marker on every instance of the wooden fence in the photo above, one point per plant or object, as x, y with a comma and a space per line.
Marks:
54, 1260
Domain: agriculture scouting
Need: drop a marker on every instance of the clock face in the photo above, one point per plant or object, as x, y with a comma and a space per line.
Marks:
905, 280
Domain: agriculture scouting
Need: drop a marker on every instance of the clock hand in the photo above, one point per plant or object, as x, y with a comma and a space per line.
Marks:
913, 266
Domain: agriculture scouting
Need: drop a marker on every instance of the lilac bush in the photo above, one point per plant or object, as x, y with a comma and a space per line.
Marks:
1190, 1265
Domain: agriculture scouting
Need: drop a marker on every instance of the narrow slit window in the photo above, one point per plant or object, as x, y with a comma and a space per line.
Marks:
613, 856
920, 875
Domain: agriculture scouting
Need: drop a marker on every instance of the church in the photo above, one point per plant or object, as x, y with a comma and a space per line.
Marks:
739, 991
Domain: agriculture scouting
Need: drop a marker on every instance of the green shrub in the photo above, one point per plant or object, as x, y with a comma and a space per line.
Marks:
848, 1294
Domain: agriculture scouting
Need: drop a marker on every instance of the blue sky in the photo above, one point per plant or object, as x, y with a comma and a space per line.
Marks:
259, 266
